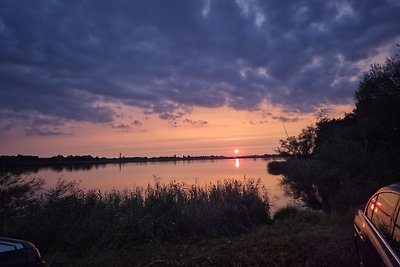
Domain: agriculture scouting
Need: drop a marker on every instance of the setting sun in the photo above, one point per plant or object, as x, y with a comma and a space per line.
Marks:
236, 151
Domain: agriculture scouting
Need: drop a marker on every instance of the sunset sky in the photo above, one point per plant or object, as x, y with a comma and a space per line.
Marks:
180, 77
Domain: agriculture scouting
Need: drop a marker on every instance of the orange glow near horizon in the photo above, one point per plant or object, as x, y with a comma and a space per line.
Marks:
204, 131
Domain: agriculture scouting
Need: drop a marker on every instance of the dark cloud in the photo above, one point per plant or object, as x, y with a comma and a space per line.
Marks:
33, 123
285, 119
43, 132
258, 122
137, 123
198, 123
67, 60
121, 126
6, 126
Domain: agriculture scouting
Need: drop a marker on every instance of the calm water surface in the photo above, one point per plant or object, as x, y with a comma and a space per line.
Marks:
130, 175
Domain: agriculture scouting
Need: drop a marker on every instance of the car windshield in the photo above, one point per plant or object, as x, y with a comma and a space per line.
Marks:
9, 246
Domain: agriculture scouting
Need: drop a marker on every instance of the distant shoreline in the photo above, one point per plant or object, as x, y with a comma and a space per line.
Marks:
26, 163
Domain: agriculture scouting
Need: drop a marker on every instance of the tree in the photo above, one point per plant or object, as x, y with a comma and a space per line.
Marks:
342, 161
378, 104
301, 146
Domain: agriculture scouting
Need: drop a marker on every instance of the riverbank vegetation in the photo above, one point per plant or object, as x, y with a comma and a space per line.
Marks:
69, 218
338, 163
225, 224
301, 238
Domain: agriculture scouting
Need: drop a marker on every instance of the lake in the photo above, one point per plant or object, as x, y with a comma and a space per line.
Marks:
202, 172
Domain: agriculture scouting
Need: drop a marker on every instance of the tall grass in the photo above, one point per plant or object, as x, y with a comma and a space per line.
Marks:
67, 217
17, 194
296, 238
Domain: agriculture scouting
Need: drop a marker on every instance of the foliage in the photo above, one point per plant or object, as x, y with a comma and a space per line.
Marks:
301, 146
293, 240
351, 156
286, 213
223, 224
377, 104
276, 167
17, 194
378, 117
70, 219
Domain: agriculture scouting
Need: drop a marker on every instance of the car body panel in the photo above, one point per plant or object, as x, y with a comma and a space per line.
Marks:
373, 247
19, 253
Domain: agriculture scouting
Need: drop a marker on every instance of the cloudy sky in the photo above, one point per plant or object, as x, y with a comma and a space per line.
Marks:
156, 77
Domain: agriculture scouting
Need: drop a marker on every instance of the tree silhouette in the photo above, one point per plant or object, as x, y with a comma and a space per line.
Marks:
378, 104
301, 146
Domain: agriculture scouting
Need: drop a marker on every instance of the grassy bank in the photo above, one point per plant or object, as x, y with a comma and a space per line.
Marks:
294, 239
225, 224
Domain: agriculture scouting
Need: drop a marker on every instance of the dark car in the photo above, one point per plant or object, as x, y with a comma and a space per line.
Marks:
19, 253
377, 229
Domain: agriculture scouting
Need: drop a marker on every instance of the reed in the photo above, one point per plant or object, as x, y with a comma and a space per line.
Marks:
69, 218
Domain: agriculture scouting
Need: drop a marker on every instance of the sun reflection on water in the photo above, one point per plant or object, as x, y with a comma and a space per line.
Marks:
237, 163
